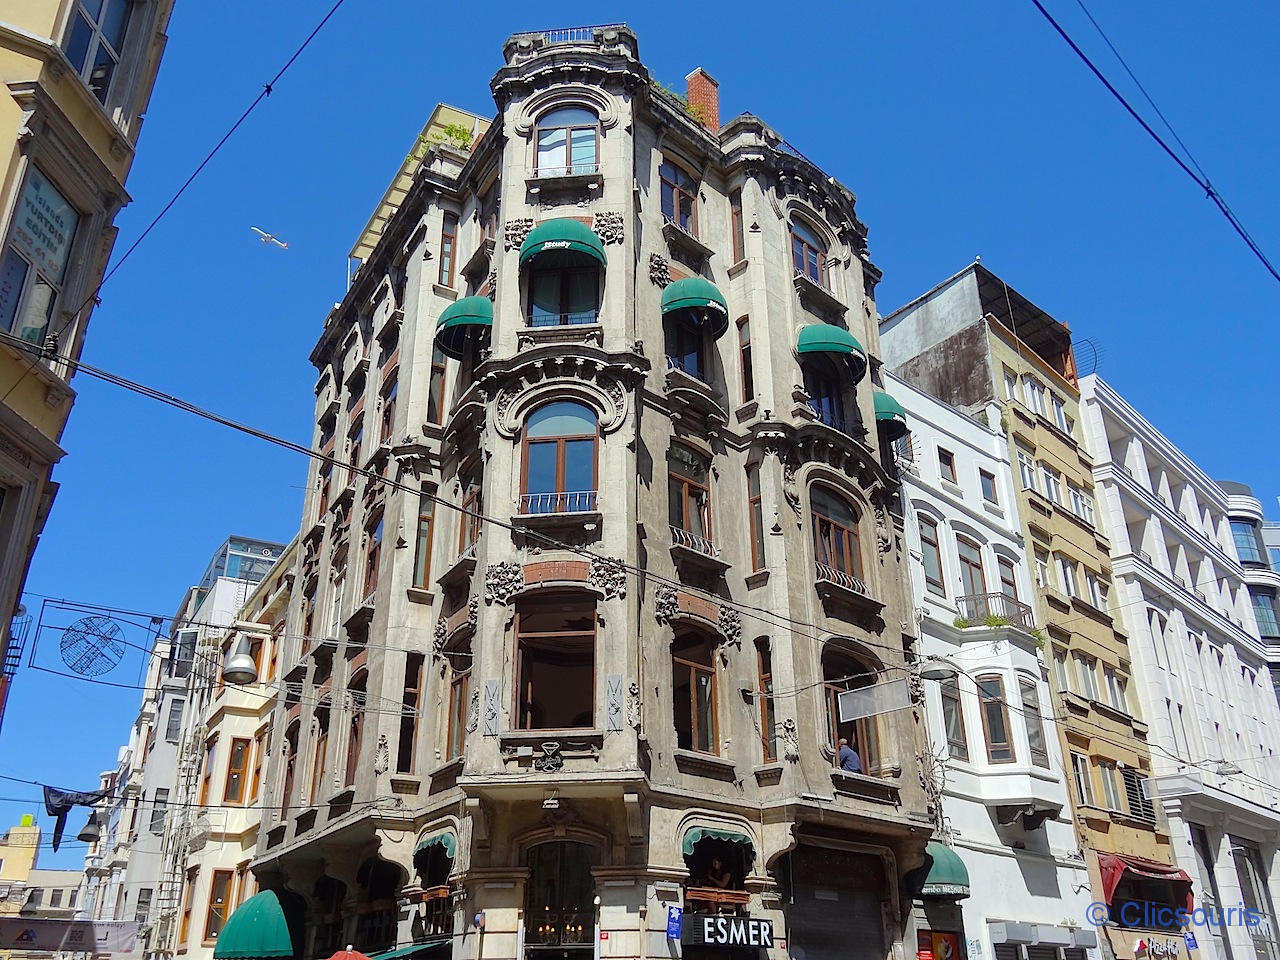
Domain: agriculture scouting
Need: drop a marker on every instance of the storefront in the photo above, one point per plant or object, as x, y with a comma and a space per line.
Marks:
939, 885
836, 903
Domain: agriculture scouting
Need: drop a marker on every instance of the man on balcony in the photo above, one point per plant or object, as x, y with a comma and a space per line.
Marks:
849, 761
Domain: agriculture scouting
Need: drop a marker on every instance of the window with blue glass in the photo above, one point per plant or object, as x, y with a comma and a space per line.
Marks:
568, 142
94, 42
824, 383
1248, 545
679, 197
560, 459
1264, 611
808, 253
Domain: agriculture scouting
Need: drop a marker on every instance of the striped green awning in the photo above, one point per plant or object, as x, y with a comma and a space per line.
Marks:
890, 417
559, 242
464, 319
257, 930
701, 299
444, 839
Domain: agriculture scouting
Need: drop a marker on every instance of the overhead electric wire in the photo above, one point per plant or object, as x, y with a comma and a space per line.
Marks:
1201, 181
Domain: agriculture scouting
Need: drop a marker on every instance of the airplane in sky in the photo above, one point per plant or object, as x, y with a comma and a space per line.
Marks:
270, 238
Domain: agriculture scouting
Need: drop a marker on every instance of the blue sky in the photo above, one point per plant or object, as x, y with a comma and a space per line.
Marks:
963, 129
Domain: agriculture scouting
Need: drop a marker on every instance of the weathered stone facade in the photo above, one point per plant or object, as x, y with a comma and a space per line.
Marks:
528, 787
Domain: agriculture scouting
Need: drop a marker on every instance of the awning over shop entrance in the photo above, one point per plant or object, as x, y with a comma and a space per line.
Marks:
698, 834
257, 930
1115, 867
948, 876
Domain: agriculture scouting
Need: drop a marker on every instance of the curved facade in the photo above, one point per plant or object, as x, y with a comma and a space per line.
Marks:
578, 597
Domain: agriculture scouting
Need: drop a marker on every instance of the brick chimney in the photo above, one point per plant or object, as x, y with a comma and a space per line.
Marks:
704, 96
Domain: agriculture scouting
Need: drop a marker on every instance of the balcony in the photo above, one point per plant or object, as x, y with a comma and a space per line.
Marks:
689, 388
575, 176
716, 898
690, 367
684, 246
573, 501
825, 416
995, 610
841, 587
570, 511
817, 297
696, 551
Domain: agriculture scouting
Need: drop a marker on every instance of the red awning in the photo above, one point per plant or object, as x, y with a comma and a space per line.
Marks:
1114, 867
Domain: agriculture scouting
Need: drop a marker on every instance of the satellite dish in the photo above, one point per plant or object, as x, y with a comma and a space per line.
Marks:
92, 646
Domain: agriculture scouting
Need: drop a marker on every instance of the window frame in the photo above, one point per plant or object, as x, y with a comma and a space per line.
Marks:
236, 772
987, 484
96, 40
459, 704
435, 386
448, 259
850, 537
206, 781
931, 546
425, 538
259, 758
227, 878
745, 370
768, 712
953, 709
696, 671
34, 274
807, 248
373, 552
560, 441
526, 641
569, 168
564, 317
736, 233
1008, 575
1082, 777
970, 566
411, 700
1029, 699
755, 514
685, 487
985, 700
946, 465
677, 190
355, 726
1111, 788
188, 905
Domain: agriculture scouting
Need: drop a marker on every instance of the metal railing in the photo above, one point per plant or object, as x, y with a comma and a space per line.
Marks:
573, 501
692, 367
468, 552
672, 222
574, 34
841, 579
577, 318
998, 608
437, 912
570, 170
829, 418
693, 541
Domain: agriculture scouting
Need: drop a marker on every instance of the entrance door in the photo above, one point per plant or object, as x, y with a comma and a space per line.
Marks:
560, 914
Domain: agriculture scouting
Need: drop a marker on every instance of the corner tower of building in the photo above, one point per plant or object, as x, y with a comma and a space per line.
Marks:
605, 534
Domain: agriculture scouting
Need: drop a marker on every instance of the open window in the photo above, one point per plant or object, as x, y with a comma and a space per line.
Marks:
836, 544
556, 662
379, 885
679, 197
689, 500
693, 678
842, 670
564, 260
694, 313
826, 381
718, 860
95, 42
560, 459
808, 252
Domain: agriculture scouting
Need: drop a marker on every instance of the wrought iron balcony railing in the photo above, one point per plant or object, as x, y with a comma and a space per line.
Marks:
690, 365
693, 541
995, 609
573, 501
840, 578
830, 419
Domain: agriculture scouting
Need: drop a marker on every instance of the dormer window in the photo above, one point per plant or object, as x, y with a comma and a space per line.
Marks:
568, 142
94, 42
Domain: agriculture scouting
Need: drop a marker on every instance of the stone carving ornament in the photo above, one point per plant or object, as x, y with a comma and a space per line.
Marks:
608, 226
666, 604
609, 576
789, 485
437, 640
502, 581
659, 270
790, 741
473, 712
633, 705
730, 623
883, 540
382, 756
492, 283
514, 232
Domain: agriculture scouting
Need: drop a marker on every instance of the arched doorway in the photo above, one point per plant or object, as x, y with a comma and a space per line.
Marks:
559, 902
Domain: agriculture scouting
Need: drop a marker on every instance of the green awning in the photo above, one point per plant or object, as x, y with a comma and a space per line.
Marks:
890, 417
445, 840
948, 876
461, 320
698, 834
828, 338
255, 931
702, 299
559, 242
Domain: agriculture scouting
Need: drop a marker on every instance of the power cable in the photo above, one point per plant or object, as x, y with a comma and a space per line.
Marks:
1202, 182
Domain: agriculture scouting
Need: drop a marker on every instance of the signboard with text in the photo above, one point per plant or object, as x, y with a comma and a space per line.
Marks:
68, 936
717, 930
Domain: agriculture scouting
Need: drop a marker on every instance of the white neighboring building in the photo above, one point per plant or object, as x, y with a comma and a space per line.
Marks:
1005, 806
1200, 665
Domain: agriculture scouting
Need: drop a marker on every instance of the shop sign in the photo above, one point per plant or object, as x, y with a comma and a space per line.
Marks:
1191, 941
725, 931
44, 226
673, 922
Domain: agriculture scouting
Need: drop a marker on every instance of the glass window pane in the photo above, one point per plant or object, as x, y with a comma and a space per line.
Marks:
78, 40
583, 148
686, 212
36, 312
13, 271
704, 688
551, 149
579, 466
104, 65
833, 507
668, 202
567, 117
113, 22
562, 419
545, 297
541, 469
580, 296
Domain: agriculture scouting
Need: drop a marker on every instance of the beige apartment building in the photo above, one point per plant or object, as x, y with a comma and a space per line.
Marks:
597, 333
78, 75
971, 341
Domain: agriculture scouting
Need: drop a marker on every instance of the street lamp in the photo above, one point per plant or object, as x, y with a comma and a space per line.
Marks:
240, 668
938, 668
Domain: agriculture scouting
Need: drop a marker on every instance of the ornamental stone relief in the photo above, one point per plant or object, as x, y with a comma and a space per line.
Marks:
565, 377
502, 581
609, 576
437, 640
790, 741
730, 623
634, 705
659, 270
514, 232
608, 226
666, 604
473, 712
382, 756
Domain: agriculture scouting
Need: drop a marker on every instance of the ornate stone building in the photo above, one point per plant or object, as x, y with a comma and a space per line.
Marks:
606, 531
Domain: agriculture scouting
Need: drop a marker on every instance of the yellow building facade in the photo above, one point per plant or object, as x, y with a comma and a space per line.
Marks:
78, 76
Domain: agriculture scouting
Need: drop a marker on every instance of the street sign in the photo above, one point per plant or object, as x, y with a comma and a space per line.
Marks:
674, 915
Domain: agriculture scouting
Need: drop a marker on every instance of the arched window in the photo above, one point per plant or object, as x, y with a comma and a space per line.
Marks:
835, 534
693, 674
824, 381
689, 500
559, 894
842, 671
560, 459
320, 759
808, 253
568, 142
